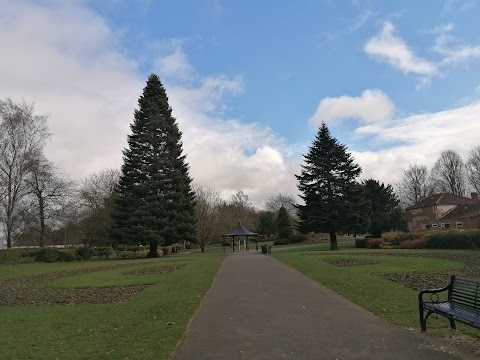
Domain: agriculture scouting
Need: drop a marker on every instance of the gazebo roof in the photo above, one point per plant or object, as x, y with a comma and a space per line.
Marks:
239, 230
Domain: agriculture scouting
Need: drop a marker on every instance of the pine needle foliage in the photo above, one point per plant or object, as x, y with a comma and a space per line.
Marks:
331, 195
155, 201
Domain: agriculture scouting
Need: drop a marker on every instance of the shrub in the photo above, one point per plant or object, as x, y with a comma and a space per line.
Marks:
454, 239
414, 244
13, 256
64, 256
318, 237
85, 253
361, 243
375, 243
280, 242
396, 237
297, 238
105, 251
47, 255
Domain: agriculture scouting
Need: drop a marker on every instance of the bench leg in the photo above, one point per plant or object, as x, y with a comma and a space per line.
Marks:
423, 321
452, 324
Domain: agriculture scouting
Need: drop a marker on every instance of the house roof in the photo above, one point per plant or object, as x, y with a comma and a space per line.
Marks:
240, 230
462, 212
441, 199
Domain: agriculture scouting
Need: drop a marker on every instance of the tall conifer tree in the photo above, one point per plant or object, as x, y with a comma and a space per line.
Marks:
330, 192
284, 226
155, 201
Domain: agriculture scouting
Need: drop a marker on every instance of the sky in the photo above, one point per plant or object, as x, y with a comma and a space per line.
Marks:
250, 82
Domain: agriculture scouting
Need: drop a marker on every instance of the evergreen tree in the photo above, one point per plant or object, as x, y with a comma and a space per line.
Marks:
330, 193
267, 223
284, 225
382, 207
155, 201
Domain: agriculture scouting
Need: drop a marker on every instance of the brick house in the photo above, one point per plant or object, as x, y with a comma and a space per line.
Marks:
444, 211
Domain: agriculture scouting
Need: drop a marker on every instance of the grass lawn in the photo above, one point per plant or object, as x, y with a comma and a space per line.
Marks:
149, 325
362, 276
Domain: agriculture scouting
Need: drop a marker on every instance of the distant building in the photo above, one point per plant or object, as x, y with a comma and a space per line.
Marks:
444, 211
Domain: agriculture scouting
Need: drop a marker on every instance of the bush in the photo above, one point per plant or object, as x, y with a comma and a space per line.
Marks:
85, 253
318, 237
414, 244
105, 251
454, 239
280, 242
14, 256
47, 255
64, 256
375, 243
396, 237
297, 238
361, 243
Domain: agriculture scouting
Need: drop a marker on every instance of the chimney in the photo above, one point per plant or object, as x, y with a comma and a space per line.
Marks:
475, 197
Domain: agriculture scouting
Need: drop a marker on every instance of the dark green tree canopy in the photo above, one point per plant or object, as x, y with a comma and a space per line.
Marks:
284, 225
154, 202
267, 223
328, 187
382, 207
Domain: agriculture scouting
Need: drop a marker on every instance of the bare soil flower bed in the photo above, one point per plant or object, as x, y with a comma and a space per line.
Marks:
154, 270
33, 290
432, 279
351, 262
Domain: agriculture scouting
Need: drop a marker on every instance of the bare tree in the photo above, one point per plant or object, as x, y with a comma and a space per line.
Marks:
473, 168
416, 184
237, 208
22, 137
207, 212
49, 189
448, 173
96, 194
277, 201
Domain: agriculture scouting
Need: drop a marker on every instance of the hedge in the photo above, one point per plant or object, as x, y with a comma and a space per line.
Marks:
455, 239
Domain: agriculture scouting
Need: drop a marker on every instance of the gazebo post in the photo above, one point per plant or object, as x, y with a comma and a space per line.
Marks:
239, 230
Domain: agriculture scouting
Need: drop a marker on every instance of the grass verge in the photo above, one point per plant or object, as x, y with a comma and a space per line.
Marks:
365, 285
148, 326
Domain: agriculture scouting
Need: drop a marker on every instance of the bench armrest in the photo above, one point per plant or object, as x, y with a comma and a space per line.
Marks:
434, 291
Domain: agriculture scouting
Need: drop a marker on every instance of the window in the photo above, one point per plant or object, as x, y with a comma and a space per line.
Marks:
459, 225
428, 226
434, 225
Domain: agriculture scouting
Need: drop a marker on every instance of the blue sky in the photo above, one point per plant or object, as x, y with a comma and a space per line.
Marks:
250, 83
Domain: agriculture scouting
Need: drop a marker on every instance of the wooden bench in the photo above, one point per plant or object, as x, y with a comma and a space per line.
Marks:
462, 303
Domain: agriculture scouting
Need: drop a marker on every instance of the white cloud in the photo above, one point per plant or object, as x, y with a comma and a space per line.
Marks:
420, 137
225, 153
454, 52
362, 19
64, 58
386, 47
67, 59
372, 106
175, 65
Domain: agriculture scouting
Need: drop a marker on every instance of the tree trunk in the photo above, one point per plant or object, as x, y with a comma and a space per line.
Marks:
153, 249
43, 227
202, 247
333, 241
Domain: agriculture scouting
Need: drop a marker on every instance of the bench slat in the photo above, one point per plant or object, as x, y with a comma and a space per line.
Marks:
463, 303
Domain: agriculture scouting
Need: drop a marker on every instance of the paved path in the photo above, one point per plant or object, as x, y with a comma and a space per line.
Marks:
259, 308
